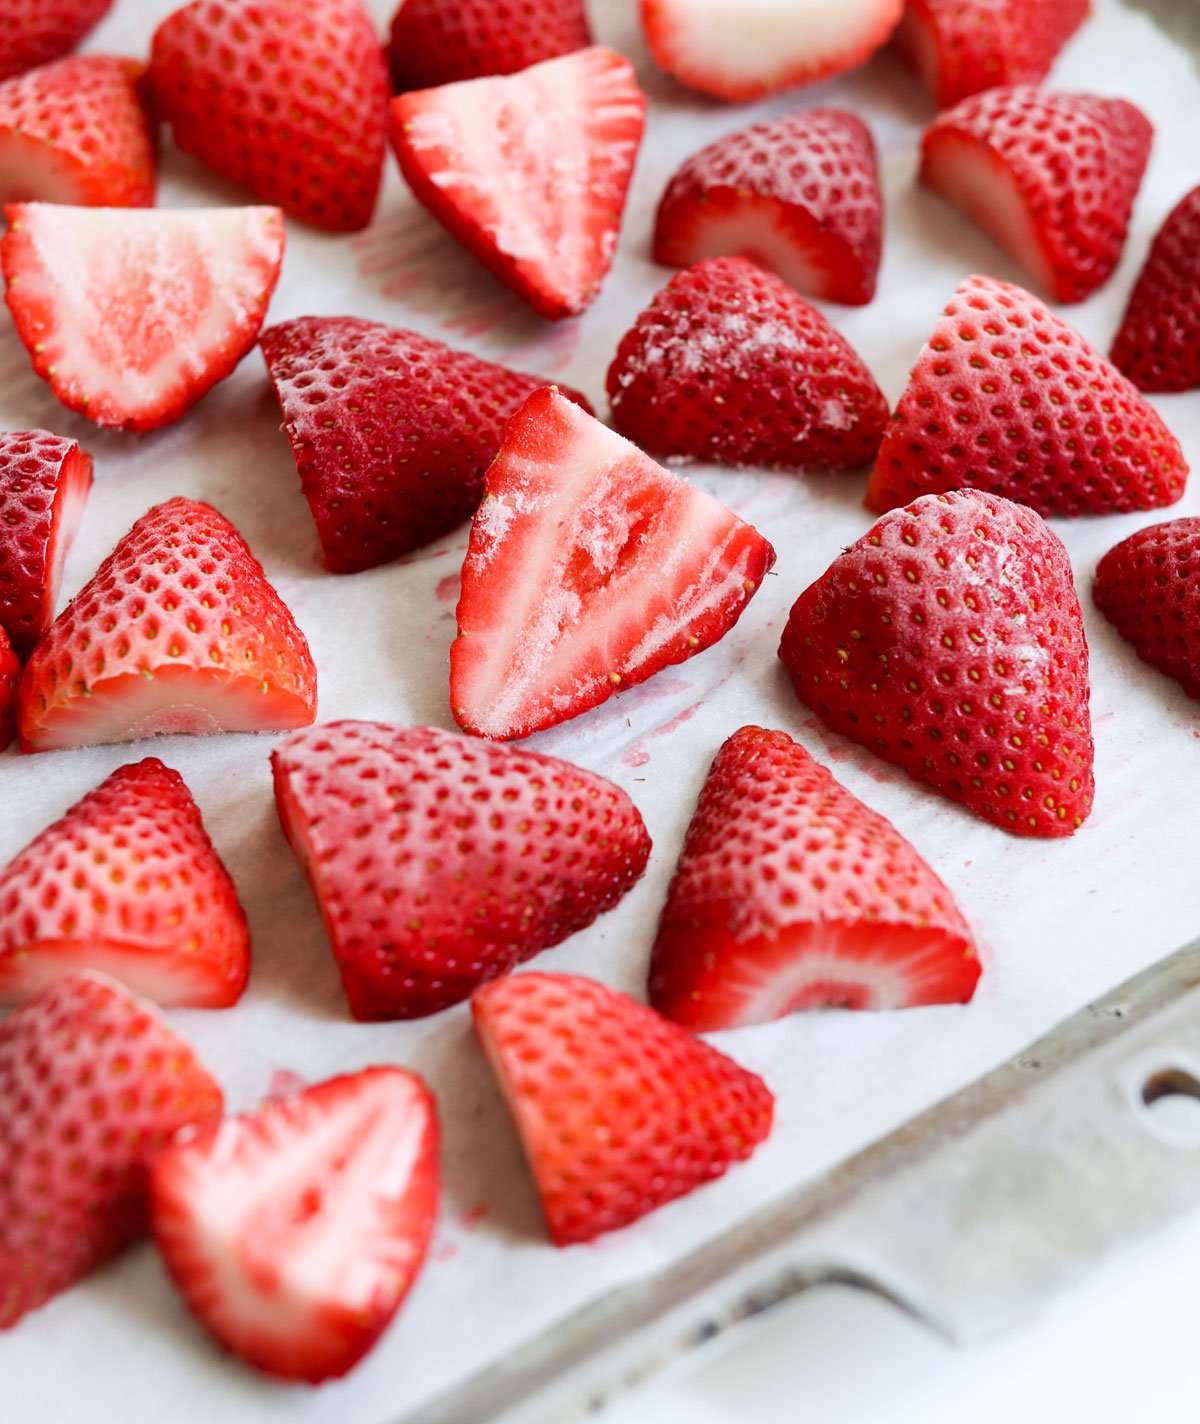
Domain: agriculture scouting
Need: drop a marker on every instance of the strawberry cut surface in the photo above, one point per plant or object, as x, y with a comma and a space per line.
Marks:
34, 32
443, 41
1158, 344
10, 676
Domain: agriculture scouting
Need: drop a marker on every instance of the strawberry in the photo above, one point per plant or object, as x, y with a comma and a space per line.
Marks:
744, 49
127, 882
791, 894
74, 132
295, 1232
729, 364
1059, 206
799, 195
529, 171
589, 568
34, 32
1006, 397
142, 357
960, 49
1158, 345
443, 41
290, 101
619, 1111
440, 862
392, 432
93, 1083
10, 676
178, 631
949, 640
44, 484
1148, 587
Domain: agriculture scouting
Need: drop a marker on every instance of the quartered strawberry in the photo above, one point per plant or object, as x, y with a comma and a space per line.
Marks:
74, 132
1158, 345
949, 640
126, 882
392, 431
743, 49
93, 1084
178, 631
590, 568
288, 100
1051, 177
295, 1232
133, 315
791, 894
1006, 397
959, 49
529, 171
1148, 587
34, 32
799, 195
44, 484
443, 41
439, 861
729, 364
10, 676
619, 1111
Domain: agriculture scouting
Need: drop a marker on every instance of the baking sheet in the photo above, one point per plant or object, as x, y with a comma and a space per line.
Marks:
1059, 922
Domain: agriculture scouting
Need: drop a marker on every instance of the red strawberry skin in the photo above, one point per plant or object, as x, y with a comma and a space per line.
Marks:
1008, 398
178, 631
791, 894
619, 1110
949, 641
729, 364
10, 676
93, 1083
798, 195
392, 431
1158, 344
440, 862
127, 882
290, 102
34, 32
443, 41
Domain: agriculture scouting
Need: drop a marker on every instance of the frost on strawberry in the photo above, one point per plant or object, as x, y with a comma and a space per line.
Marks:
35, 32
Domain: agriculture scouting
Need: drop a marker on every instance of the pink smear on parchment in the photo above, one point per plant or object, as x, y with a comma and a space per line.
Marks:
839, 752
637, 755
284, 1084
448, 588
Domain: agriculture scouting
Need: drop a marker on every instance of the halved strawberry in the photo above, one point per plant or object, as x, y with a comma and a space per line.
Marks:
439, 862
178, 631
1006, 397
392, 432
619, 1110
729, 364
799, 195
34, 32
132, 315
743, 49
93, 1083
44, 484
10, 676
590, 568
949, 640
1052, 177
1158, 345
529, 171
791, 894
126, 882
295, 1232
442, 41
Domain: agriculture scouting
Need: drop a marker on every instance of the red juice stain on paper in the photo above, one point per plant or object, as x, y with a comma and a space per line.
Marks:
636, 756
448, 588
471, 1218
284, 1084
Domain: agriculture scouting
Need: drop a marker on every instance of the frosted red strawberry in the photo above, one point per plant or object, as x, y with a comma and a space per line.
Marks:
10, 676
34, 32
619, 1110
443, 41
1158, 344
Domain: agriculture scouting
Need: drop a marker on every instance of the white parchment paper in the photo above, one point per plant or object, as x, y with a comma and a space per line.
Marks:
1058, 921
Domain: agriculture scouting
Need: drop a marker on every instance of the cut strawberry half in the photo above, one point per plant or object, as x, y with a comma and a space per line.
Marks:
530, 171
10, 676
791, 894
295, 1232
34, 32
443, 41
126, 882
178, 631
619, 1111
590, 568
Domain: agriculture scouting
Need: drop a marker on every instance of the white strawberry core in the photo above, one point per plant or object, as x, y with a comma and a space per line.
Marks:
36, 966
757, 230
70, 498
30, 170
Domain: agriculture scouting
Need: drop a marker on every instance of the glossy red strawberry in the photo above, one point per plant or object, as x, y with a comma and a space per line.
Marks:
440, 862
178, 631
392, 431
798, 195
93, 1084
1060, 206
590, 568
729, 364
442, 41
529, 171
1158, 345
34, 32
10, 676
1008, 398
619, 1111
288, 100
949, 641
